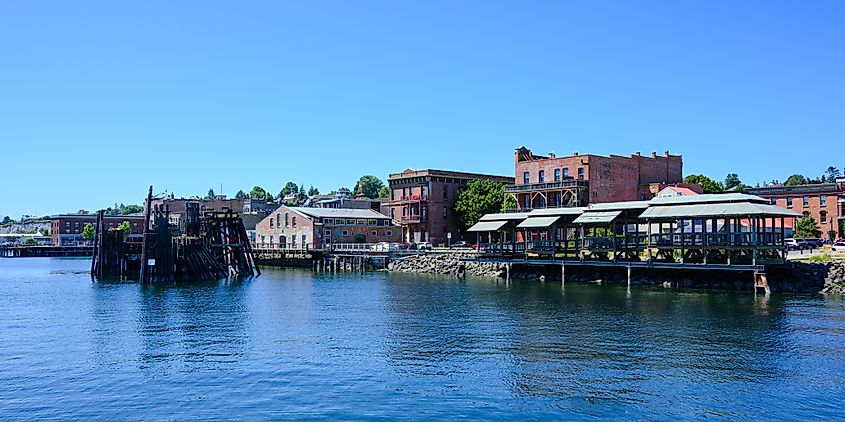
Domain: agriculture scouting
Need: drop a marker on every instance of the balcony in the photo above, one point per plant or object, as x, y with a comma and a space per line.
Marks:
414, 219
533, 187
410, 198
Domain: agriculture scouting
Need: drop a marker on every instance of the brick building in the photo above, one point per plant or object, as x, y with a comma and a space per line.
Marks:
309, 228
422, 202
825, 202
577, 180
66, 229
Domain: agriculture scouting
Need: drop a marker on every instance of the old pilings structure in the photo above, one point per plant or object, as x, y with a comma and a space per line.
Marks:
213, 245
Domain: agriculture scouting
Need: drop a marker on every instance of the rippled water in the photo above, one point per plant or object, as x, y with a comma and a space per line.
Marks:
292, 344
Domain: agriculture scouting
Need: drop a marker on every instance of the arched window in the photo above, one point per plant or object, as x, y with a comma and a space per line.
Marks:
293, 222
286, 219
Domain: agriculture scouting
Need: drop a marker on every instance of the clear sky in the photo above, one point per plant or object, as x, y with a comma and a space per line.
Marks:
98, 100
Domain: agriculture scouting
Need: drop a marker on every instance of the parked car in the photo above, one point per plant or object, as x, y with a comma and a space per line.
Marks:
838, 246
424, 246
792, 244
461, 244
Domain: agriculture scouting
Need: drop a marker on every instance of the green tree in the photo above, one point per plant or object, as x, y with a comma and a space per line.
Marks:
290, 187
258, 193
6, 220
29, 241
125, 227
509, 203
88, 231
369, 185
832, 173
241, 195
384, 192
210, 195
796, 179
710, 185
313, 191
479, 197
807, 227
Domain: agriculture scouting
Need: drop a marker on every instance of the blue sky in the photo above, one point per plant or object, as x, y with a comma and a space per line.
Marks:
98, 100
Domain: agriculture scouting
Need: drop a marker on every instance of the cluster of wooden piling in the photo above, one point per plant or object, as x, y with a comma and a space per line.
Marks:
349, 263
211, 246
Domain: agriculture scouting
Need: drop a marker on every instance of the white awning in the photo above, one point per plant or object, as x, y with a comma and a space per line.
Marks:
537, 222
597, 217
487, 226
738, 209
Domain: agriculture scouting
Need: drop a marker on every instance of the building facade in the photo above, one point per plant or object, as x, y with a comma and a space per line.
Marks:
313, 228
422, 202
66, 229
825, 202
577, 180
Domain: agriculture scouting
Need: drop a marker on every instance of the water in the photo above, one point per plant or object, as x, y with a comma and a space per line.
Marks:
297, 345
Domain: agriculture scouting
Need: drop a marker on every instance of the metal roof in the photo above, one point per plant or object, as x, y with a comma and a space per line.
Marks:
556, 211
504, 216
734, 209
487, 226
597, 217
339, 212
624, 205
707, 198
536, 222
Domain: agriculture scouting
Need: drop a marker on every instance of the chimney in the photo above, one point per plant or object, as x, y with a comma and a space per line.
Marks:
638, 153
552, 154
654, 154
575, 153
666, 152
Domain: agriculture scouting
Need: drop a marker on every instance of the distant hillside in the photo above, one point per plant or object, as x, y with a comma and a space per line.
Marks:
27, 227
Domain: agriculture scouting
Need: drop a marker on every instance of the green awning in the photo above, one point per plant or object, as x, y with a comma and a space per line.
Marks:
487, 226
537, 222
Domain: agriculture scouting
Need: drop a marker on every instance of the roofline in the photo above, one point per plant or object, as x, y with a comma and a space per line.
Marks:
447, 173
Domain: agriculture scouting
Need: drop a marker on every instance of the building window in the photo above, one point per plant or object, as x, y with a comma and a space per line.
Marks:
388, 233
372, 222
580, 173
404, 191
304, 240
76, 224
566, 172
293, 221
329, 221
542, 176
271, 222
444, 212
557, 175
404, 211
806, 201
525, 178
287, 219
345, 232
293, 240
374, 232
823, 217
823, 200
527, 202
789, 202
393, 213
774, 200
327, 232
271, 238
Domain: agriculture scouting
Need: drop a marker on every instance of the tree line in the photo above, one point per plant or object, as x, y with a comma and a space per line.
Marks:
733, 183
367, 185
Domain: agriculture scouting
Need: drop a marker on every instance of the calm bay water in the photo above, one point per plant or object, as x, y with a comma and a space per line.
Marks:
292, 344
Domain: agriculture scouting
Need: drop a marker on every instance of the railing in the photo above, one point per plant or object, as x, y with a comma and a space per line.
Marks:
412, 219
569, 183
546, 247
285, 247
501, 248
716, 239
352, 247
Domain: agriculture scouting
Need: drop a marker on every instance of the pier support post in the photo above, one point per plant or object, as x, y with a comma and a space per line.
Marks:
508, 271
562, 274
629, 276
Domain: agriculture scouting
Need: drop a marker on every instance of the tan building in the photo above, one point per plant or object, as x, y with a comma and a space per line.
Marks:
314, 228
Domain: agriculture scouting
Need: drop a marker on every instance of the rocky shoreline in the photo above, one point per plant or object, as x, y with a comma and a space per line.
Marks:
795, 277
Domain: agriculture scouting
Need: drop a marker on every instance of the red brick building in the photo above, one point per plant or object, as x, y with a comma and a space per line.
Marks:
825, 202
422, 202
66, 229
310, 228
577, 180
